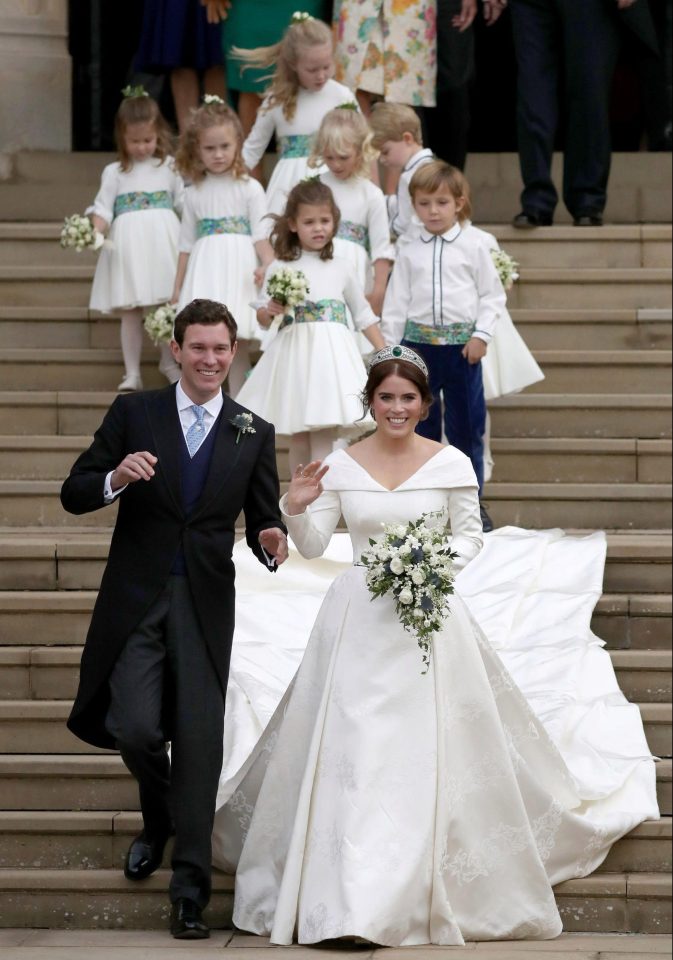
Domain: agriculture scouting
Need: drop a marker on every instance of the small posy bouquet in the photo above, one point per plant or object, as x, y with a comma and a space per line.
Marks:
78, 233
507, 267
159, 324
414, 564
287, 286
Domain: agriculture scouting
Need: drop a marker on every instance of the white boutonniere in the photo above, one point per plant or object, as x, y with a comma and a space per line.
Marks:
243, 423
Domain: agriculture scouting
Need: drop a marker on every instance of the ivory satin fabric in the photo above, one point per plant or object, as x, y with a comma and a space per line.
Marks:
362, 798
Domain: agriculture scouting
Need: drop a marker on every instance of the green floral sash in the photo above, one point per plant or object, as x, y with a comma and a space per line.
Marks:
131, 202
296, 147
449, 334
354, 233
210, 228
320, 311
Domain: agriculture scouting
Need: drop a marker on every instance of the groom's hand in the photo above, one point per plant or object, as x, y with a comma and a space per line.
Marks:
274, 542
134, 467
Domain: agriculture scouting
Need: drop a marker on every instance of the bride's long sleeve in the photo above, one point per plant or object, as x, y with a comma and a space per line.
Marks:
467, 534
313, 529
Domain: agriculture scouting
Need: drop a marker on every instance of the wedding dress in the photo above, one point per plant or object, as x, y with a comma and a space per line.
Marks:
407, 808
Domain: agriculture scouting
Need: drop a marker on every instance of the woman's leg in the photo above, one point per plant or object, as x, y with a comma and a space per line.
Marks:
132, 347
185, 90
300, 450
248, 105
239, 368
214, 82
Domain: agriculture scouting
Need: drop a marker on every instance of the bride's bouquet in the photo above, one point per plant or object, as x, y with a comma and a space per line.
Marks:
159, 324
507, 267
414, 564
78, 233
288, 287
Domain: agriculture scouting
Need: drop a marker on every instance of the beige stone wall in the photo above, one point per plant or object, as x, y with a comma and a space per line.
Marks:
35, 76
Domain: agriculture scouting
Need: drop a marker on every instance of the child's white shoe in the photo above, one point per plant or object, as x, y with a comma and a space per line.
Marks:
130, 383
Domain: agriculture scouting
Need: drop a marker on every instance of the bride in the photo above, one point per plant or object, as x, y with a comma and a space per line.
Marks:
387, 804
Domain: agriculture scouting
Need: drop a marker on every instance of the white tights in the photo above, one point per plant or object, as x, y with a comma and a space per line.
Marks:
308, 446
132, 347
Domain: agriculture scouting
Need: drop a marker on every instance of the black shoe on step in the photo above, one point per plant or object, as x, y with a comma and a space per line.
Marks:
527, 221
589, 220
144, 856
187, 922
486, 521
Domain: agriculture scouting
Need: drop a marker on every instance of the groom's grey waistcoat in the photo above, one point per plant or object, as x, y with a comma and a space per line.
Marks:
193, 475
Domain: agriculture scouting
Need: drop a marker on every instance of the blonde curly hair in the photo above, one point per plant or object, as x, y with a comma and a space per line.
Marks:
188, 159
342, 130
284, 86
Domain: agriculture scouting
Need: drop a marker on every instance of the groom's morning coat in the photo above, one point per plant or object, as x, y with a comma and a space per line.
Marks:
151, 524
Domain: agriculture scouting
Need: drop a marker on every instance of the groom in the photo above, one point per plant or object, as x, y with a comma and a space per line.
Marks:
183, 462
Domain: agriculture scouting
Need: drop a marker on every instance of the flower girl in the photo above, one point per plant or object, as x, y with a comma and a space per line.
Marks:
138, 201
343, 145
222, 232
301, 93
308, 381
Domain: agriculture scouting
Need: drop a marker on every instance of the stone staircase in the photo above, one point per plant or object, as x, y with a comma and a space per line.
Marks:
588, 448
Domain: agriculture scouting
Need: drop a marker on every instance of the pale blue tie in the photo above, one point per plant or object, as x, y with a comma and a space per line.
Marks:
197, 432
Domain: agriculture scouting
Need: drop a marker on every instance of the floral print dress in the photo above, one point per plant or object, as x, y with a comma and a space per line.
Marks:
388, 47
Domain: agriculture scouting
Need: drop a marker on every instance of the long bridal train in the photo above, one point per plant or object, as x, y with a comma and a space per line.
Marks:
362, 798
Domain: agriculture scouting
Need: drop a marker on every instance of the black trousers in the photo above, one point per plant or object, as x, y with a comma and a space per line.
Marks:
164, 686
566, 47
448, 124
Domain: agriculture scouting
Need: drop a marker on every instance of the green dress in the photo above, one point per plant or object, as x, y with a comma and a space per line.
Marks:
261, 23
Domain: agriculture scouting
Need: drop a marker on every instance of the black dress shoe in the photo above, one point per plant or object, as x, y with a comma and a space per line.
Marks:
526, 221
486, 521
589, 220
144, 856
187, 922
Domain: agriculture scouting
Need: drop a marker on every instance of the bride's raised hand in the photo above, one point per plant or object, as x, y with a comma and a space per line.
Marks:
305, 487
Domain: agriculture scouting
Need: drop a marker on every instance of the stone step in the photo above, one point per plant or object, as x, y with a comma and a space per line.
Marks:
38, 726
79, 413
645, 329
42, 673
85, 840
544, 460
615, 246
540, 288
573, 416
583, 460
601, 371
97, 782
617, 329
549, 288
637, 623
51, 185
68, 559
566, 371
606, 506
71, 370
104, 899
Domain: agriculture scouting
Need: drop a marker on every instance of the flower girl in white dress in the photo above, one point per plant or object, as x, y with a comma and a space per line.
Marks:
138, 202
301, 93
343, 145
223, 233
384, 803
309, 378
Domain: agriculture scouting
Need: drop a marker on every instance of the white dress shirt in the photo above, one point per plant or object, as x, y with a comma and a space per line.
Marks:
187, 418
447, 284
403, 221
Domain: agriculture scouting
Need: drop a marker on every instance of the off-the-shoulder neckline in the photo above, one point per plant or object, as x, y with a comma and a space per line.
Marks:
404, 482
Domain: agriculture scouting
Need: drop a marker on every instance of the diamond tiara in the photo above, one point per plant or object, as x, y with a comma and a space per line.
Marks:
399, 353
